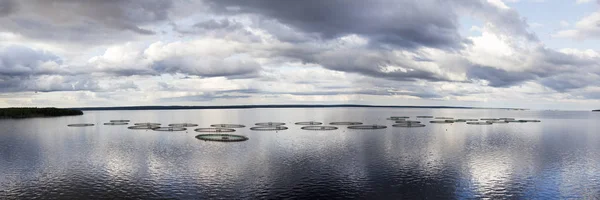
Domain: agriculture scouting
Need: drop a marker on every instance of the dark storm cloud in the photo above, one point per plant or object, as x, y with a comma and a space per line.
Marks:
19, 61
407, 24
499, 77
7, 7
82, 21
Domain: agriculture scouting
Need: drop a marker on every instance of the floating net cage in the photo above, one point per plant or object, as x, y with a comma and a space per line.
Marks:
408, 121
222, 137
142, 127
442, 121
80, 125
498, 122
397, 118
489, 119
269, 128
214, 130
367, 127
409, 125
147, 124
228, 125
444, 118
270, 124
479, 123
169, 128
345, 123
119, 120
466, 120
319, 128
424, 116
308, 123
116, 123
530, 120
183, 125
506, 118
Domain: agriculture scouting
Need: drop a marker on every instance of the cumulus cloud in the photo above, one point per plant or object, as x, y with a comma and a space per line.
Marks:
586, 28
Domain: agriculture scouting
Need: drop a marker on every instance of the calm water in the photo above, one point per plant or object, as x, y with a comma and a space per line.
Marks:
557, 158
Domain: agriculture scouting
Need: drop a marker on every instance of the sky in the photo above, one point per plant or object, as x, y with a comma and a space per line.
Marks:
534, 54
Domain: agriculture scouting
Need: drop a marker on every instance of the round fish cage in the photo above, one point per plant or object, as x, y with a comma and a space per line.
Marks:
506, 118
395, 118
222, 137
408, 121
530, 120
466, 120
183, 125
119, 120
170, 128
424, 116
442, 121
409, 125
345, 123
319, 128
498, 122
308, 123
228, 125
142, 127
115, 123
147, 124
214, 130
479, 123
367, 127
444, 118
269, 128
489, 119
270, 124
80, 125
514, 121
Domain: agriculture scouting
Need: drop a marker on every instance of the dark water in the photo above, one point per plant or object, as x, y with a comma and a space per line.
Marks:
557, 158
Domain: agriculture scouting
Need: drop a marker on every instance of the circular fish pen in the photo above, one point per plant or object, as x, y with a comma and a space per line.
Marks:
442, 121
479, 123
489, 119
270, 124
424, 116
409, 125
498, 122
120, 120
183, 125
444, 118
506, 118
169, 128
228, 125
115, 123
514, 121
214, 130
466, 120
319, 128
308, 123
147, 124
345, 123
142, 127
269, 128
367, 127
80, 125
395, 118
530, 120
222, 137
408, 121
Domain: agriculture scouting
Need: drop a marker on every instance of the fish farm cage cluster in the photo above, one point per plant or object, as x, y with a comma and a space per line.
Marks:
217, 132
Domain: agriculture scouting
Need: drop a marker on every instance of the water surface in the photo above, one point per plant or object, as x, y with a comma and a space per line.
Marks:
557, 158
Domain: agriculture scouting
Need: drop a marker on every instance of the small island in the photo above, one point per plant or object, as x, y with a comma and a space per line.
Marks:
36, 112
595, 110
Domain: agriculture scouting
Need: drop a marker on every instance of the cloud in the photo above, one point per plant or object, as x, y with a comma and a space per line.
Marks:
19, 61
586, 28
83, 21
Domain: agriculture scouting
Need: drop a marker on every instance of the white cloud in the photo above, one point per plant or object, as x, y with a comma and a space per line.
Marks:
586, 28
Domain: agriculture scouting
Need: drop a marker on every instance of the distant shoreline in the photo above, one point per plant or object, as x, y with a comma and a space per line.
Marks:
274, 106
19, 113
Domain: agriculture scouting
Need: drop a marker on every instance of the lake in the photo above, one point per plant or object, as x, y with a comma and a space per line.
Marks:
556, 158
